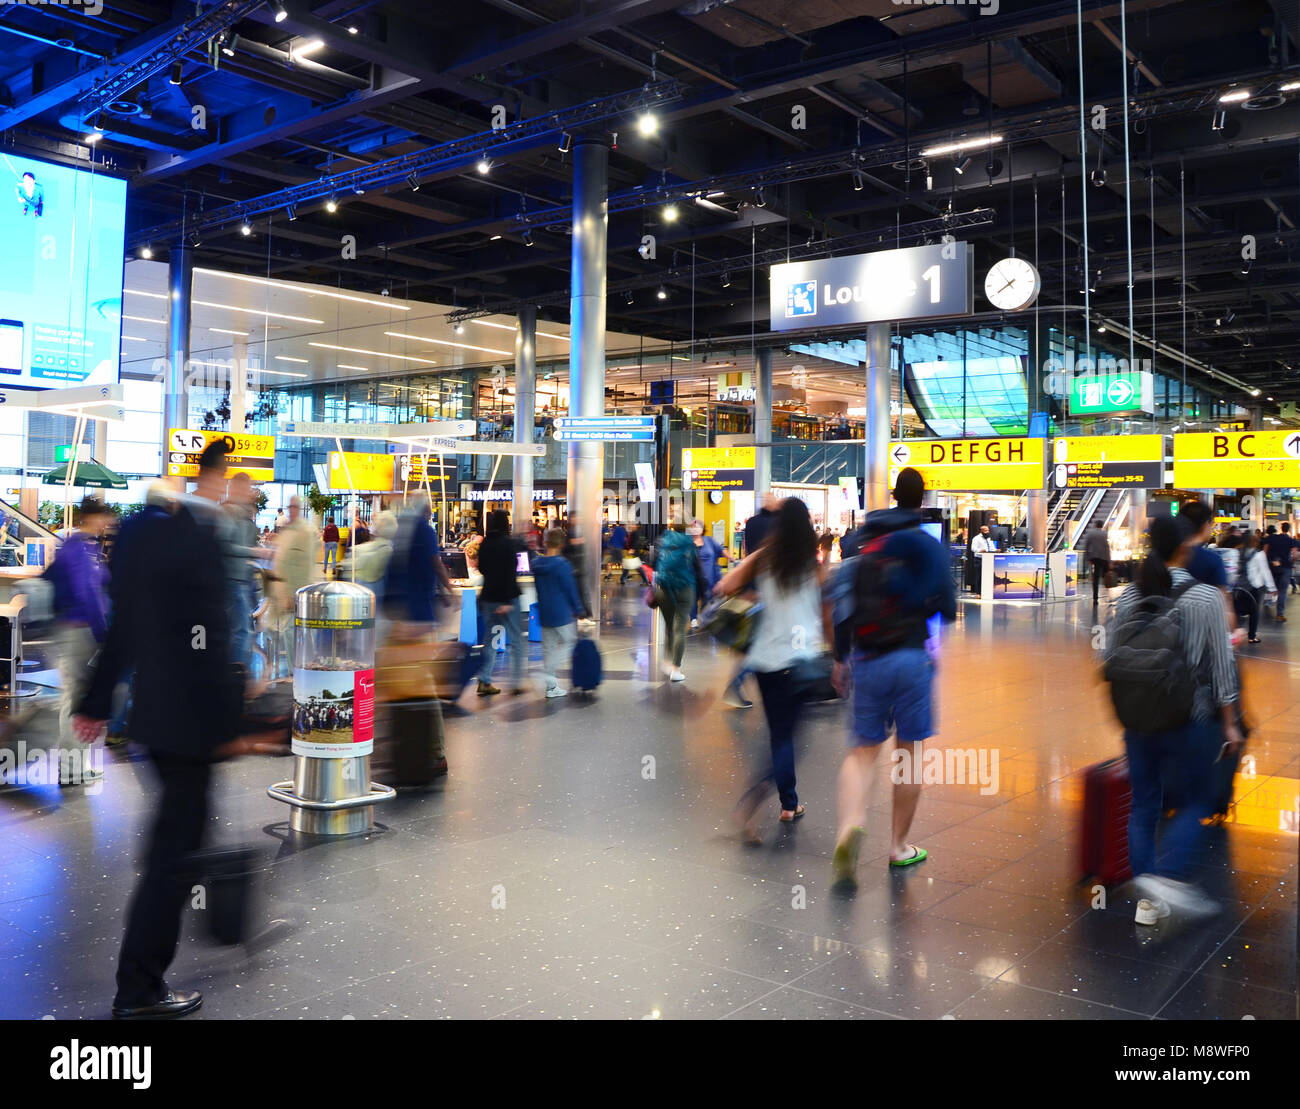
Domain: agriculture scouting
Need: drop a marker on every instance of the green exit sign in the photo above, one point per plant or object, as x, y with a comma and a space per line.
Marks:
1112, 394
64, 453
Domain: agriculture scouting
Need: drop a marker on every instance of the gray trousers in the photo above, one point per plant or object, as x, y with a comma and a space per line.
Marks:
557, 648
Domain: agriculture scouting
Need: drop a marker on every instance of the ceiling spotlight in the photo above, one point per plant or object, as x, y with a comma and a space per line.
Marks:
483, 165
566, 141
1268, 398
194, 239
726, 281
246, 228
94, 137
929, 181
177, 70
291, 211
459, 329
146, 253
1254, 392
1235, 96
413, 181
760, 201
1101, 329
858, 182
528, 238
332, 204
648, 124
279, 9
670, 213
961, 166
228, 45
352, 28
1245, 266
1220, 120
629, 298
493, 238
662, 294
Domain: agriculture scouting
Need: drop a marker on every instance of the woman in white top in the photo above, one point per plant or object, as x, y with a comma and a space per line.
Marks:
792, 635
1255, 586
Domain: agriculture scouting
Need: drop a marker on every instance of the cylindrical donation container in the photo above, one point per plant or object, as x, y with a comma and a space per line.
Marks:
333, 730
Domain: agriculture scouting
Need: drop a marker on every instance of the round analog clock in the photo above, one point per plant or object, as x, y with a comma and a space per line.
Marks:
1012, 284
715, 497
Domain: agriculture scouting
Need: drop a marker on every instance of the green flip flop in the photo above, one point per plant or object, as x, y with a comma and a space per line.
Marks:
919, 854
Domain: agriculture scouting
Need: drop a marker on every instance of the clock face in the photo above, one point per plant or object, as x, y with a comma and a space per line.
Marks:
1012, 284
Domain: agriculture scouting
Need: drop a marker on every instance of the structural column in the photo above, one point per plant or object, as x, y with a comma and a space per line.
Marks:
587, 352
525, 414
1036, 513
762, 427
176, 401
877, 434
238, 384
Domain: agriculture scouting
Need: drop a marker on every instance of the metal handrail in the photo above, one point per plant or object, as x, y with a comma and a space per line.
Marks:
281, 791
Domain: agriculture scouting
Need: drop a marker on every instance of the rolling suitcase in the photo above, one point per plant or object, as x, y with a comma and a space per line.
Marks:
586, 665
415, 752
1103, 854
448, 660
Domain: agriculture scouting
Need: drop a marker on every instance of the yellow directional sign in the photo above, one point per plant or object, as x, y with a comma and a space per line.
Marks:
718, 458
369, 473
1237, 460
1105, 461
971, 465
253, 455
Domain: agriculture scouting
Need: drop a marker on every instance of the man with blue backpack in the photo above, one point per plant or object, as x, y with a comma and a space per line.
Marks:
897, 581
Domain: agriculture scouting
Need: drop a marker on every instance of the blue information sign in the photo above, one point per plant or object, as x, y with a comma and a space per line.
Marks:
612, 429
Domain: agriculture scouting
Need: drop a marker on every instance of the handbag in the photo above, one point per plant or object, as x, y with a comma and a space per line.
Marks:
631, 562
811, 678
654, 595
732, 621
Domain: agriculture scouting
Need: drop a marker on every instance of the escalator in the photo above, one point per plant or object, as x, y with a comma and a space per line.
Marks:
1069, 503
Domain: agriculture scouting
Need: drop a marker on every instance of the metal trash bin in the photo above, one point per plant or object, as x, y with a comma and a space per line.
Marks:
333, 730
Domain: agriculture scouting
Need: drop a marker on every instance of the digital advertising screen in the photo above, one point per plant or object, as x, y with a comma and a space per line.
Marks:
63, 235
971, 399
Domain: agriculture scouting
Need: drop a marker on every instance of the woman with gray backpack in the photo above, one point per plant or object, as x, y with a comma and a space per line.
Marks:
1173, 682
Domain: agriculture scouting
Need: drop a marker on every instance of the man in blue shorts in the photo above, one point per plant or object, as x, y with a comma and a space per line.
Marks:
901, 580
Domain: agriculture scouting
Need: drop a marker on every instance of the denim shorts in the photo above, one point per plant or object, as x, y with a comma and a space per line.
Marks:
892, 690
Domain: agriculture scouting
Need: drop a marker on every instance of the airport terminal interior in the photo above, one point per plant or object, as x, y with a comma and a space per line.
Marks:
649, 509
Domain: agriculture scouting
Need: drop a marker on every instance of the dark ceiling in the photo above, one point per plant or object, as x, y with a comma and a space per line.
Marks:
394, 84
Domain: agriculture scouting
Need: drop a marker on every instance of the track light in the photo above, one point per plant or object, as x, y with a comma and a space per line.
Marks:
670, 213
332, 204
1245, 267
566, 141
291, 211
146, 253
279, 9
528, 238
459, 329
246, 228
857, 181
484, 166
413, 181
929, 181
961, 166
228, 45
629, 298
352, 28
194, 239
647, 124
1220, 119
662, 294
726, 281
759, 200
178, 70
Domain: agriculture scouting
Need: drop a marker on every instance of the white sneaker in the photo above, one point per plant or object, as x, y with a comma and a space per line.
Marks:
556, 691
1150, 912
695, 623
1188, 899
677, 676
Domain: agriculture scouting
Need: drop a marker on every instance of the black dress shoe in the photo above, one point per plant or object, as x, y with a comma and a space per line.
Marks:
177, 1003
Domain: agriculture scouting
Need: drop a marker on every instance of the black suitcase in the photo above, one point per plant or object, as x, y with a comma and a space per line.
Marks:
228, 875
415, 747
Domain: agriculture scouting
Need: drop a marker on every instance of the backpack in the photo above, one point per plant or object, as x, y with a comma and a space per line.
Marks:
879, 622
1151, 683
675, 570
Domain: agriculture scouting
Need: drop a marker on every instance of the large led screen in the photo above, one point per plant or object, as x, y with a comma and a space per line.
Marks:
972, 399
61, 247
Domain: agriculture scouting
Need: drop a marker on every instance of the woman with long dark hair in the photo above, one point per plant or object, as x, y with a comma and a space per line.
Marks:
1190, 749
788, 648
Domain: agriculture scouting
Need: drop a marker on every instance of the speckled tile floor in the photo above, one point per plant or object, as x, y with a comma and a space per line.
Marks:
551, 875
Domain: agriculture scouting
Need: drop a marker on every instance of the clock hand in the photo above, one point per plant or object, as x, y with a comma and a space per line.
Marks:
1007, 285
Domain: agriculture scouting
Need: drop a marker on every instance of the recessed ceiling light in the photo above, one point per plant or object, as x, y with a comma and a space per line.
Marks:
227, 331
142, 293
963, 144
143, 319
444, 342
375, 353
364, 369
306, 290
252, 311
286, 358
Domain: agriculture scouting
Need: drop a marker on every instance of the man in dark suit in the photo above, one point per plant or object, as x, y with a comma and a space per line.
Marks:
170, 624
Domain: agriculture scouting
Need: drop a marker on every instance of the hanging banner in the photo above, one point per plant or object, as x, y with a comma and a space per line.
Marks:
912, 283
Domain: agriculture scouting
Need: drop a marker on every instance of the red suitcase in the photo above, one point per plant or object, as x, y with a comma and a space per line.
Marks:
1103, 851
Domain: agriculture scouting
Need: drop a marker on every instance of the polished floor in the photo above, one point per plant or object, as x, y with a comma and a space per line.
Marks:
577, 862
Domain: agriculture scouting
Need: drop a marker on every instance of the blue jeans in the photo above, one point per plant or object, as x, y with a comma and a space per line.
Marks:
512, 621
239, 610
331, 555
1282, 579
781, 706
1193, 748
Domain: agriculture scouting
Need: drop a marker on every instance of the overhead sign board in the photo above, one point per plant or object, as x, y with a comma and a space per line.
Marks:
912, 283
1112, 394
718, 458
608, 429
253, 455
413, 469
351, 471
376, 431
439, 445
1106, 461
1237, 459
971, 465
707, 480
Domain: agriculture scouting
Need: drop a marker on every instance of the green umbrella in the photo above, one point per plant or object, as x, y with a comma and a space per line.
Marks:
90, 475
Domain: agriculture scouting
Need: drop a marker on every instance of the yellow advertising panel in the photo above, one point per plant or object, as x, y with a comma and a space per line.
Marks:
718, 458
1107, 461
972, 465
370, 473
1237, 459
253, 455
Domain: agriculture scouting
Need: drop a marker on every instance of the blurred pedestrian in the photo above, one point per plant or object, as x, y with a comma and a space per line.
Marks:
241, 508
330, 543
708, 552
293, 569
1096, 549
677, 573
499, 605
559, 608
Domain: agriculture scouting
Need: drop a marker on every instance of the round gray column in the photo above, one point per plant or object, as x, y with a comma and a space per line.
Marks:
762, 426
176, 399
525, 414
587, 351
877, 432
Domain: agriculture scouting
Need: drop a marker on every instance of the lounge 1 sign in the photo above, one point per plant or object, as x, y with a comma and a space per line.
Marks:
1111, 394
972, 465
913, 283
